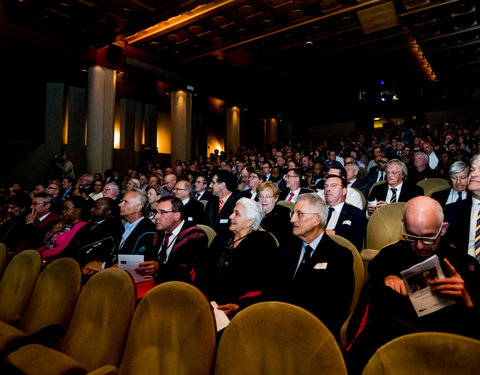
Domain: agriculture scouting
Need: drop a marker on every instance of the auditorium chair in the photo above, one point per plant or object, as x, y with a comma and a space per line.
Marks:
211, 234
96, 334
50, 306
426, 353
359, 276
17, 284
430, 184
436, 189
172, 333
375, 184
204, 202
289, 205
364, 200
385, 226
3, 258
276, 338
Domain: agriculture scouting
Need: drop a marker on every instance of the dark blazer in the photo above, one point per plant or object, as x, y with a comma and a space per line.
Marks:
408, 192
220, 221
95, 241
206, 196
442, 196
458, 216
361, 185
324, 286
193, 211
187, 248
286, 193
415, 176
35, 232
140, 241
351, 225
372, 176
277, 222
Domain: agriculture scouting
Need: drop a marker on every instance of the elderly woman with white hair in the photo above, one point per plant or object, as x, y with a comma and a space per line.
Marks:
233, 272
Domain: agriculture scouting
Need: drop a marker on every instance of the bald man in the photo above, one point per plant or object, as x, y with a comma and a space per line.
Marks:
391, 313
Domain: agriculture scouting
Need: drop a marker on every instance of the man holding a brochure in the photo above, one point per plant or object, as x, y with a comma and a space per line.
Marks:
398, 298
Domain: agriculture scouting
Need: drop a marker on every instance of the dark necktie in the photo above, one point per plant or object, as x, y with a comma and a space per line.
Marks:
477, 238
308, 254
394, 195
459, 196
197, 195
381, 176
330, 211
163, 251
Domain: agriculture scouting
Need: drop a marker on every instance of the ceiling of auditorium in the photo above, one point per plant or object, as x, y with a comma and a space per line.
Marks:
271, 48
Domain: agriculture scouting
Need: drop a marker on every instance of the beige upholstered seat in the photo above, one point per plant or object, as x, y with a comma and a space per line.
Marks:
275, 338
3, 258
289, 205
52, 301
211, 234
204, 202
17, 284
359, 275
96, 334
432, 183
426, 353
436, 189
385, 226
364, 201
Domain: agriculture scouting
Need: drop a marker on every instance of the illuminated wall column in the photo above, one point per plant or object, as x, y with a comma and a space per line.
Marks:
164, 133
100, 118
181, 125
233, 128
271, 130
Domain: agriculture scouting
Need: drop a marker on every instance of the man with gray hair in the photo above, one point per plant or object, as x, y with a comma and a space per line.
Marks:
395, 190
458, 173
316, 273
421, 170
193, 210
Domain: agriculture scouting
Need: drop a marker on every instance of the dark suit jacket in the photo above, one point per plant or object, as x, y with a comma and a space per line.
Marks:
193, 211
187, 248
408, 192
286, 193
324, 286
351, 225
220, 221
206, 196
372, 176
94, 241
458, 216
140, 241
277, 222
35, 233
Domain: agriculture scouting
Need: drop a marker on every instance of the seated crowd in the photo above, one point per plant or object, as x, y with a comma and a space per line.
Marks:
273, 212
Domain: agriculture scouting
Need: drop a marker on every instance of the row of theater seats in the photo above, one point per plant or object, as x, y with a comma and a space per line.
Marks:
172, 331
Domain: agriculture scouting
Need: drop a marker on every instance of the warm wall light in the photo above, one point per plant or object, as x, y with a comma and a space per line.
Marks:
116, 135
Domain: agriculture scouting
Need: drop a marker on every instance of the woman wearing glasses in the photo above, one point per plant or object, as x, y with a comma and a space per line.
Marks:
234, 271
276, 218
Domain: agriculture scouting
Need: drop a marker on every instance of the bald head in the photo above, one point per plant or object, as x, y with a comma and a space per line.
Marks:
423, 218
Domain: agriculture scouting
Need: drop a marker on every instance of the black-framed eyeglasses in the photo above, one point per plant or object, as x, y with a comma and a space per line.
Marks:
426, 240
163, 212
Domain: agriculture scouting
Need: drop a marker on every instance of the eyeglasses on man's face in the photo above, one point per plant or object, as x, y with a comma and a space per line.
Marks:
427, 240
300, 214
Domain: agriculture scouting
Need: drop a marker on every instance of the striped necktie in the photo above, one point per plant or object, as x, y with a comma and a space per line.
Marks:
394, 195
477, 238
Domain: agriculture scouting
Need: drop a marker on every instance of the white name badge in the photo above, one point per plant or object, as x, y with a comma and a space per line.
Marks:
223, 221
320, 266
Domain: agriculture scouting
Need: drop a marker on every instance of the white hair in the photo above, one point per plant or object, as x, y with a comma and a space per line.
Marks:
253, 210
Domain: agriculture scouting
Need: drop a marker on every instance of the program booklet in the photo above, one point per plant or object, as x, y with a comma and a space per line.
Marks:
129, 262
416, 280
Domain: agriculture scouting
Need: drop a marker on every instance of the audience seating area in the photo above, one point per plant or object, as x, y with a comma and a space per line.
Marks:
172, 330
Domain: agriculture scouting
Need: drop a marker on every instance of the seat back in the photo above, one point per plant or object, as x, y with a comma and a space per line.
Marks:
364, 201
289, 205
211, 234
385, 226
172, 332
432, 183
3, 258
426, 353
53, 297
99, 325
17, 284
276, 338
376, 184
204, 202
436, 189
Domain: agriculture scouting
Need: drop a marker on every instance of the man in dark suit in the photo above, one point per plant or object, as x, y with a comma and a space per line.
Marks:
458, 173
463, 215
353, 179
138, 235
96, 239
396, 189
343, 219
193, 210
39, 221
377, 173
255, 178
219, 209
315, 272
200, 188
316, 179
293, 179
178, 244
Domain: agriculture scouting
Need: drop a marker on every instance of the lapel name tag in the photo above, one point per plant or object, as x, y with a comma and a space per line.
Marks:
223, 221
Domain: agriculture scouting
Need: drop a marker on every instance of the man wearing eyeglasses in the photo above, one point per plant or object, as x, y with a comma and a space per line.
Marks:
293, 180
178, 244
255, 178
316, 273
390, 312
192, 210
